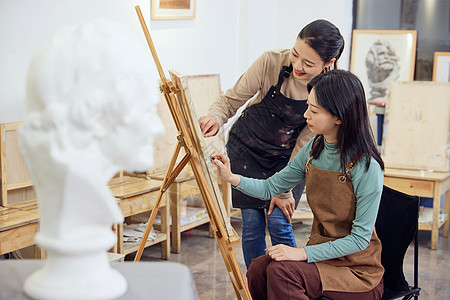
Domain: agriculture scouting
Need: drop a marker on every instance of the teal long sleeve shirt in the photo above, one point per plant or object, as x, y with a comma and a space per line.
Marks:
367, 186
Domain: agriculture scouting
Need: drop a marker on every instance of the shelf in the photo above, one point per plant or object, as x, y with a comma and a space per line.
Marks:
194, 224
442, 219
133, 247
19, 185
136, 195
186, 224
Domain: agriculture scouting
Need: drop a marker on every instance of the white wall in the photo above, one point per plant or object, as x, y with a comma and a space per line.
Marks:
25, 24
224, 38
276, 24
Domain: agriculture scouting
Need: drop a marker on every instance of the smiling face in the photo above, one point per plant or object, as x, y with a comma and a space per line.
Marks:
320, 121
306, 61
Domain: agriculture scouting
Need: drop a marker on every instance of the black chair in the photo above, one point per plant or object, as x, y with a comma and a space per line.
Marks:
397, 225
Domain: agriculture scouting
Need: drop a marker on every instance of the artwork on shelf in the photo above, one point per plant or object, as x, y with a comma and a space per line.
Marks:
381, 56
414, 110
441, 67
172, 9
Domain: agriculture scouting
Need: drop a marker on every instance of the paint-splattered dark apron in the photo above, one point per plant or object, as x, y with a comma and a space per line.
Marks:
261, 141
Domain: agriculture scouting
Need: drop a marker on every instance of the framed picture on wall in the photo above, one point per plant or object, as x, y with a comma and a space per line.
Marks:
172, 9
381, 56
441, 66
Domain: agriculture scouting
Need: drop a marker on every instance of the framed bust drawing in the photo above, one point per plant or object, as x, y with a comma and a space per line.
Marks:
381, 56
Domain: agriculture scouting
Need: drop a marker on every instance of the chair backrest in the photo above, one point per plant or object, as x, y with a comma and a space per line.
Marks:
16, 185
396, 226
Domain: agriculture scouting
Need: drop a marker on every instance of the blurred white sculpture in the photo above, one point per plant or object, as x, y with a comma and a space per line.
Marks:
91, 112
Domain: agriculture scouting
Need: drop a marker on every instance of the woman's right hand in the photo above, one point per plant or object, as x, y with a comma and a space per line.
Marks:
208, 125
222, 162
284, 252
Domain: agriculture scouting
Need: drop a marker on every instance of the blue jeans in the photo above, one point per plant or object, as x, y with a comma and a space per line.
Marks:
254, 231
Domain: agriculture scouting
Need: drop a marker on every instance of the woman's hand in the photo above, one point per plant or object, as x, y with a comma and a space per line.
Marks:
287, 206
379, 101
208, 125
222, 162
282, 252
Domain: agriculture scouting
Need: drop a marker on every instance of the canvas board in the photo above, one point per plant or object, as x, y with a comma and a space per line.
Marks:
417, 125
190, 87
204, 90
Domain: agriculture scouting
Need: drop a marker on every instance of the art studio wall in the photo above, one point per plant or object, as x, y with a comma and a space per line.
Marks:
224, 38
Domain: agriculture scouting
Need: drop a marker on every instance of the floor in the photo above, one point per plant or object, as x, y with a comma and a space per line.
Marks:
202, 255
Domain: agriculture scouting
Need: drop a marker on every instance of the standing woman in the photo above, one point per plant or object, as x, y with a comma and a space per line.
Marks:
262, 140
344, 182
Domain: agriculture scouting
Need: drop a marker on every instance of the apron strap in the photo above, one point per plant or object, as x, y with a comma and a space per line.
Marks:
316, 141
284, 73
349, 168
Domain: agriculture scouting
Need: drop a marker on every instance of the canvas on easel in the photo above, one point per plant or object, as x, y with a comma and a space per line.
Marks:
417, 126
203, 149
189, 139
203, 90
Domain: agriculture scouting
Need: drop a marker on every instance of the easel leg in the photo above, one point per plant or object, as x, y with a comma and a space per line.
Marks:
165, 227
114, 249
435, 225
174, 191
446, 211
211, 231
169, 178
234, 271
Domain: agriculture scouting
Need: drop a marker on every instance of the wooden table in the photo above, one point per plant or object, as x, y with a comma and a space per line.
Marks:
19, 222
424, 184
174, 196
138, 195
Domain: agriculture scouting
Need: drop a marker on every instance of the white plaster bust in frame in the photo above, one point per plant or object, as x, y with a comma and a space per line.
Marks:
91, 112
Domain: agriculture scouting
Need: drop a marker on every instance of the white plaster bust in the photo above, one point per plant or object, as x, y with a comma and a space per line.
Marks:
91, 112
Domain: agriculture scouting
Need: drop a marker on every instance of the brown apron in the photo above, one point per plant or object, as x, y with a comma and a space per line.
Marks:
332, 200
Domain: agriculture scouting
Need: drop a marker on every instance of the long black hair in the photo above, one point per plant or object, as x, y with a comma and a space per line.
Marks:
324, 38
342, 95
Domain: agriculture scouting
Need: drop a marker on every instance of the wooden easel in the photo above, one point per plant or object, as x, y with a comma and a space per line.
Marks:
187, 138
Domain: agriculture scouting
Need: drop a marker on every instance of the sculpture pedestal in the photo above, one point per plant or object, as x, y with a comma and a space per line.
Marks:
76, 268
87, 276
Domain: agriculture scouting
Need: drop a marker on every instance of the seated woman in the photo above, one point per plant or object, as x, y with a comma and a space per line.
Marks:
344, 181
